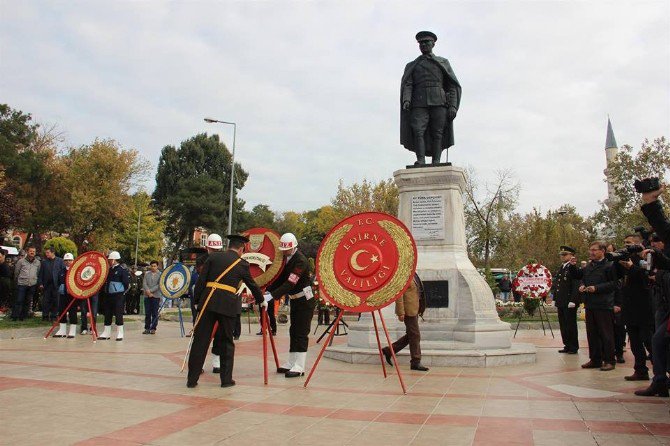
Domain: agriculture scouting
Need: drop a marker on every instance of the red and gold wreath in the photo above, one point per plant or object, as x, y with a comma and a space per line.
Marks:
365, 262
533, 281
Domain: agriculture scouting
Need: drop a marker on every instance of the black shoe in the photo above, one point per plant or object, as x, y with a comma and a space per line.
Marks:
620, 360
145, 331
571, 352
291, 374
655, 389
216, 369
387, 354
564, 350
282, 370
260, 333
236, 338
274, 333
191, 385
230, 384
637, 376
419, 367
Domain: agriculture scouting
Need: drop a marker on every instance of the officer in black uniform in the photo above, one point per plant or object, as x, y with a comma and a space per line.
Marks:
221, 306
118, 282
294, 281
565, 290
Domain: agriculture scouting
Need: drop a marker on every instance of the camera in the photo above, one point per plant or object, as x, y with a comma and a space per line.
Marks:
647, 185
644, 234
624, 254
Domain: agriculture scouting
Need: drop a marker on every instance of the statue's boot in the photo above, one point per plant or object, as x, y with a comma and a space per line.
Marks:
420, 150
437, 151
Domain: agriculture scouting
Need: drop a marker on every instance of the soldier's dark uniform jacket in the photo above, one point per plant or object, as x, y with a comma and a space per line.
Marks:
564, 288
118, 280
295, 277
224, 301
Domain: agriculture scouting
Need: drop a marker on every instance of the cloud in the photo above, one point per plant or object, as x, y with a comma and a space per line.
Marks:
314, 86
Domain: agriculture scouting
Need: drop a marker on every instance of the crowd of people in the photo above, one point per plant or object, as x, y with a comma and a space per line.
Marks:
625, 293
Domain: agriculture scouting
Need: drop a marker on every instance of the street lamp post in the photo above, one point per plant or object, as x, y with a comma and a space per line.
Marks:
232, 172
137, 240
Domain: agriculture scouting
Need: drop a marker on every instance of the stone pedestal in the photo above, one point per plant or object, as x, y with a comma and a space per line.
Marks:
467, 331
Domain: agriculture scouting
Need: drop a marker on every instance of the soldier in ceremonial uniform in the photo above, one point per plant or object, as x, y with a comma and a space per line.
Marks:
294, 282
118, 282
565, 291
430, 97
64, 300
215, 290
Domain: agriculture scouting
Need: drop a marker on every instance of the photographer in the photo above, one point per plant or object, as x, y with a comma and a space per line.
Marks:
653, 211
637, 314
598, 286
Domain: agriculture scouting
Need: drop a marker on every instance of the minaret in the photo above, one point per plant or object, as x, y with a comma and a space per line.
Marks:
611, 150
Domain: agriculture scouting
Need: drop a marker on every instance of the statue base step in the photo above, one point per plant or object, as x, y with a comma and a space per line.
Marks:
516, 354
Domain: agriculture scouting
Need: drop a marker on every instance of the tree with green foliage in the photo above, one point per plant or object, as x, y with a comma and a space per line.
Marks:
97, 179
366, 197
61, 245
260, 216
193, 187
538, 236
617, 218
151, 229
26, 158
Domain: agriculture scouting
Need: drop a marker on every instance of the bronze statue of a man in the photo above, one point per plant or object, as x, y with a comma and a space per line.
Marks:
430, 95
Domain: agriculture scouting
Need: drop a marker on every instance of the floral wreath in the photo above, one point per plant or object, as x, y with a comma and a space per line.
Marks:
533, 281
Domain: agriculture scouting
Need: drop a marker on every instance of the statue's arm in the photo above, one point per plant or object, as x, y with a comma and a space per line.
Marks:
407, 86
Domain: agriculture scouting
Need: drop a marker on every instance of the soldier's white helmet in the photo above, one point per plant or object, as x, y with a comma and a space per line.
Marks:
288, 242
214, 241
68, 256
114, 255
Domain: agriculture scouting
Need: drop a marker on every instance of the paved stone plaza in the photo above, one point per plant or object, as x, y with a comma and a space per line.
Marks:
60, 391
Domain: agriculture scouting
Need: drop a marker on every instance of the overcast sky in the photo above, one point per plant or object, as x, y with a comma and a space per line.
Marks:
314, 86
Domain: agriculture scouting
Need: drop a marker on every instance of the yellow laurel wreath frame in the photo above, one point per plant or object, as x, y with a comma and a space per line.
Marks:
276, 265
344, 297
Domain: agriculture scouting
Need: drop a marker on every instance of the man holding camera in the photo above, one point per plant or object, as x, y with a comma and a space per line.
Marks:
566, 298
598, 287
636, 305
653, 211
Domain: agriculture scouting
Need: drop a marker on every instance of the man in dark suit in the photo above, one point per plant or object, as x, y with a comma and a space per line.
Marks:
430, 96
217, 302
47, 281
598, 285
566, 298
294, 281
637, 311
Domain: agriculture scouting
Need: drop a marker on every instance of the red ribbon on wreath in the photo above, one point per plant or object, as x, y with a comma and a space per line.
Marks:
533, 281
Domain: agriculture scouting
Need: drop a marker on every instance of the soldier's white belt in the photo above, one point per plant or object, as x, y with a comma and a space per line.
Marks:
296, 296
221, 286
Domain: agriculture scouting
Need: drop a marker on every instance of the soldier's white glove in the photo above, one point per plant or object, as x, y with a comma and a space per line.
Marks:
264, 304
571, 305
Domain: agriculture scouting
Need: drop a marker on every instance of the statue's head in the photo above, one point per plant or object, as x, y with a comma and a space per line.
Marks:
426, 41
